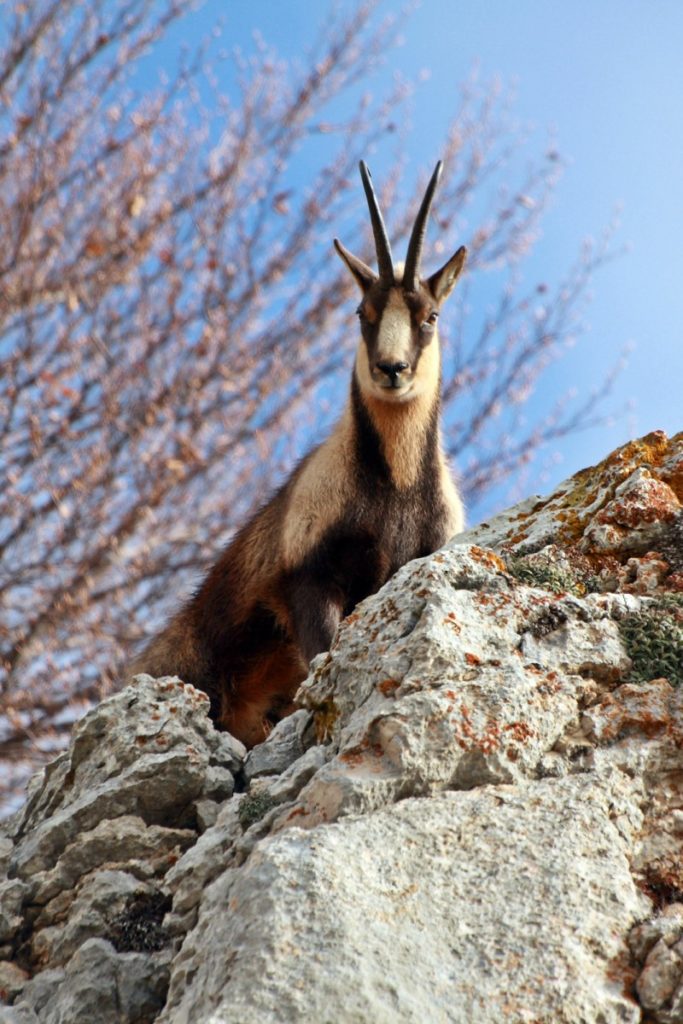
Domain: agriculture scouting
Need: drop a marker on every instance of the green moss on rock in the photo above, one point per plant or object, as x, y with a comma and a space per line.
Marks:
253, 807
546, 575
654, 641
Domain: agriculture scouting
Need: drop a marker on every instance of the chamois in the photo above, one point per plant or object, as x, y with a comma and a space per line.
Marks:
374, 495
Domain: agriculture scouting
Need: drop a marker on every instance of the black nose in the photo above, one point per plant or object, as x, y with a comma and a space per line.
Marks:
392, 370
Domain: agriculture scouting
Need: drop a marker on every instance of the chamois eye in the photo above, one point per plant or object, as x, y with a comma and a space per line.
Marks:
427, 324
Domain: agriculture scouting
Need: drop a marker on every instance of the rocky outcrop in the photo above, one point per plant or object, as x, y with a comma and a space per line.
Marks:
477, 814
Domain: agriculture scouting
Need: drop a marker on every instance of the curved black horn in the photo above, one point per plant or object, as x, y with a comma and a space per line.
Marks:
412, 269
382, 247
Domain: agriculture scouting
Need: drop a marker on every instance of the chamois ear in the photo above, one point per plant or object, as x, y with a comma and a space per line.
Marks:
442, 283
365, 277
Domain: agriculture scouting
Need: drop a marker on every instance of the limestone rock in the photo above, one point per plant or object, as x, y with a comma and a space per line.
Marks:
377, 937
477, 814
657, 946
99, 898
143, 752
82, 907
627, 503
668, 926
100, 985
286, 743
648, 708
207, 859
124, 842
12, 980
12, 895
447, 696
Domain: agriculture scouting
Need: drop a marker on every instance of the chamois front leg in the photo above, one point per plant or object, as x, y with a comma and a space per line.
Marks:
315, 609
262, 694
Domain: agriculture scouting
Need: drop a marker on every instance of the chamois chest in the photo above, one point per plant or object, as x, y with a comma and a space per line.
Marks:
379, 530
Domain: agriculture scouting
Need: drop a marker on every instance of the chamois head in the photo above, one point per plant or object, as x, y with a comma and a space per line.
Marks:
398, 358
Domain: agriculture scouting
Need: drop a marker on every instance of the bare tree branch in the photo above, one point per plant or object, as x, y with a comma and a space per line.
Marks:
174, 331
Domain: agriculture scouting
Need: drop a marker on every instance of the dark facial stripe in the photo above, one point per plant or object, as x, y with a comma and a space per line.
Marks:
420, 305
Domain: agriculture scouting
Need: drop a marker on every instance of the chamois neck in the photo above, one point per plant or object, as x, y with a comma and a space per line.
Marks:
396, 439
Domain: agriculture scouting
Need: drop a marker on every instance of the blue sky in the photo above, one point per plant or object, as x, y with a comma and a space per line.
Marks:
605, 80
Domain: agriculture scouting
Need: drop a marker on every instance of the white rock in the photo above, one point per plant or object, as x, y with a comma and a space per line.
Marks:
100, 986
447, 694
414, 914
100, 898
124, 842
144, 752
12, 896
460, 824
209, 856
286, 744
661, 976
584, 648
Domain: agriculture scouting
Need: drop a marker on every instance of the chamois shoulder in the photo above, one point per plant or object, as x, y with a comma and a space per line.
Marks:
319, 493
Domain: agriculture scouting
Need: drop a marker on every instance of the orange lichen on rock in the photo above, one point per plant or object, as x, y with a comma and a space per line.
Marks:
675, 582
650, 450
520, 732
468, 737
452, 621
632, 708
672, 472
618, 525
487, 558
646, 500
